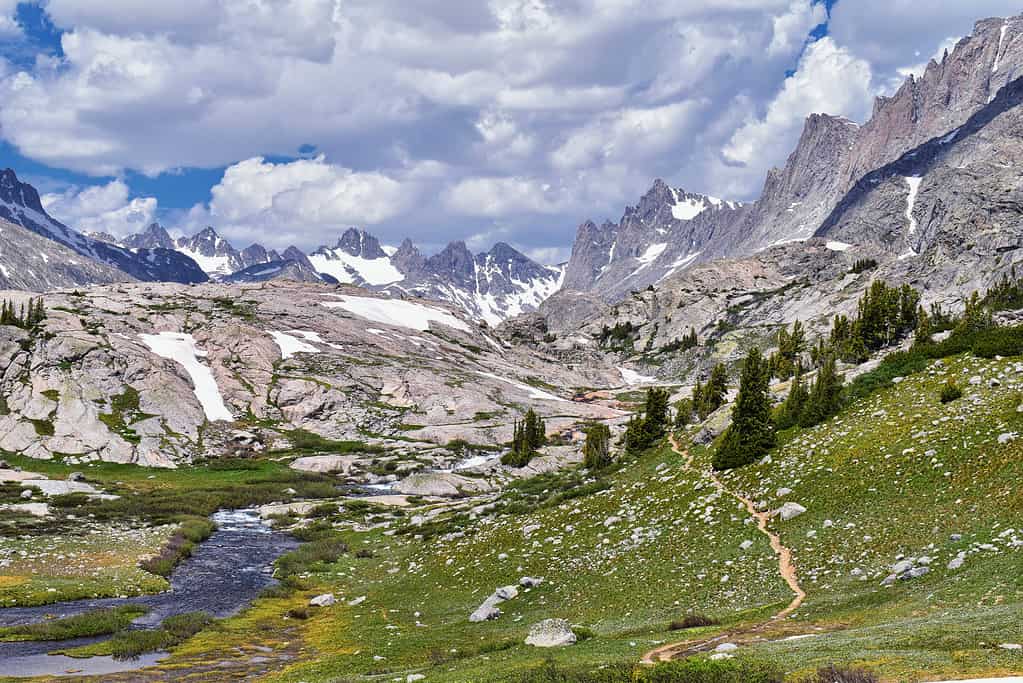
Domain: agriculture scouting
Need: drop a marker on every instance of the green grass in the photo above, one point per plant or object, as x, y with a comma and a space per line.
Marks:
95, 623
191, 532
130, 644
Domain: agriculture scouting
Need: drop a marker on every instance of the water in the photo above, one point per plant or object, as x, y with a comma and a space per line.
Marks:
224, 574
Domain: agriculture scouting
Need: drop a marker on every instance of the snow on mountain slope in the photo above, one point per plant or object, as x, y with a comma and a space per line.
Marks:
397, 312
347, 268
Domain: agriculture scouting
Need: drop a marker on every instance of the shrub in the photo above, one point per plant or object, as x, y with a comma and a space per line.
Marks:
686, 671
833, 674
192, 530
692, 621
597, 449
950, 391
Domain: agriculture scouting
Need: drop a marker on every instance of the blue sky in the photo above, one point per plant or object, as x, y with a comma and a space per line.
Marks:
285, 121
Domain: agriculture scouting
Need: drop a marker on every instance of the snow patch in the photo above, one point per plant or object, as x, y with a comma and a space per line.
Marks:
633, 377
837, 246
181, 347
998, 53
397, 313
341, 265
290, 345
688, 209
211, 265
532, 391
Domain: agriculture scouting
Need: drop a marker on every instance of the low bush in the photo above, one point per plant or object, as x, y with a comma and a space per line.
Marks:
692, 621
192, 531
176, 629
833, 674
950, 392
323, 550
687, 671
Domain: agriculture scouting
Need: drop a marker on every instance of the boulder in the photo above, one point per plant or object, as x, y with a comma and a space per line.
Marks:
551, 633
325, 600
790, 510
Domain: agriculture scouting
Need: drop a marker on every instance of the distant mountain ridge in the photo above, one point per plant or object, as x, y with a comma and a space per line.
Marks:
670, 230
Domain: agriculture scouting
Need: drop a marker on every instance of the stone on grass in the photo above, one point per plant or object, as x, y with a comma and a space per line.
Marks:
790, 510
551, 633
325, 600
530, 581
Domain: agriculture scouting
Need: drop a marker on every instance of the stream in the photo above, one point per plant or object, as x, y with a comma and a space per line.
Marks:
223, 576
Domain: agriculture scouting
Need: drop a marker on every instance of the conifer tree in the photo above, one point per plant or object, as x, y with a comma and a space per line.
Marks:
788, 414
597, 449
825, 397
751, 434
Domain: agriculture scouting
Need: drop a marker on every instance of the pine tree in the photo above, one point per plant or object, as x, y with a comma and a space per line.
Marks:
922, 334
710, 396
655, 422
528, 436
751, 434
825, 397
597, 449
683, 413
788, 414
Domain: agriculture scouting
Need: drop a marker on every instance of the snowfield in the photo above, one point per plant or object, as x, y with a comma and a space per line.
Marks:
290, 345
532, 391
633, 377
181, 347
340, 264
397, 312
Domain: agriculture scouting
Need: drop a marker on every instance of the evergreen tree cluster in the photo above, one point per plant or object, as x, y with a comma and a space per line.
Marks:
885, 315
790, 345
21, 316
529, 436
644, 431
1006, 294
710, 396
619, 337
597, 449
688, 341
863, 265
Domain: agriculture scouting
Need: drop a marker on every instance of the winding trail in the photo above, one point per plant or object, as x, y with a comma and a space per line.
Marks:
786, 569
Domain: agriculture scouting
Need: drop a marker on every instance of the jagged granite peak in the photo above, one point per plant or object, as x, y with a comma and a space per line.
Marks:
357, 258
257, 253
20, 204
491, 286
360, 243
667, 230
942, 99
951, 204
152, 237
798, 197
407, 258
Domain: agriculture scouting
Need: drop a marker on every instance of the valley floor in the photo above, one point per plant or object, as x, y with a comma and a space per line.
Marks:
897, 477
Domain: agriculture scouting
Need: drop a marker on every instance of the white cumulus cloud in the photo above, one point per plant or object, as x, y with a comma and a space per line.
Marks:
101, 208
829, 80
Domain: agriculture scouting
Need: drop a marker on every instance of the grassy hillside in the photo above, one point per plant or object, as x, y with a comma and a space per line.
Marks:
622, 555
896, 474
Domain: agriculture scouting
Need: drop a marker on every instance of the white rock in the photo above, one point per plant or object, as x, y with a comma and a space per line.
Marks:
325, 600
790, 510
551, 633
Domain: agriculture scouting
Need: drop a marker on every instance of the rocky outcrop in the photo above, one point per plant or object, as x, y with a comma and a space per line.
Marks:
145, 373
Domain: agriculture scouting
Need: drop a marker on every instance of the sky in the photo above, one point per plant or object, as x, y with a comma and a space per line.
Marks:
287, 121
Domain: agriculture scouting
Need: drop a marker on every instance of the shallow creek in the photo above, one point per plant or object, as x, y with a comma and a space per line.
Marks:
223, 576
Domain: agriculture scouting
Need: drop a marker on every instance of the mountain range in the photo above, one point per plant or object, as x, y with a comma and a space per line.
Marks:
39, 253
897, 184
